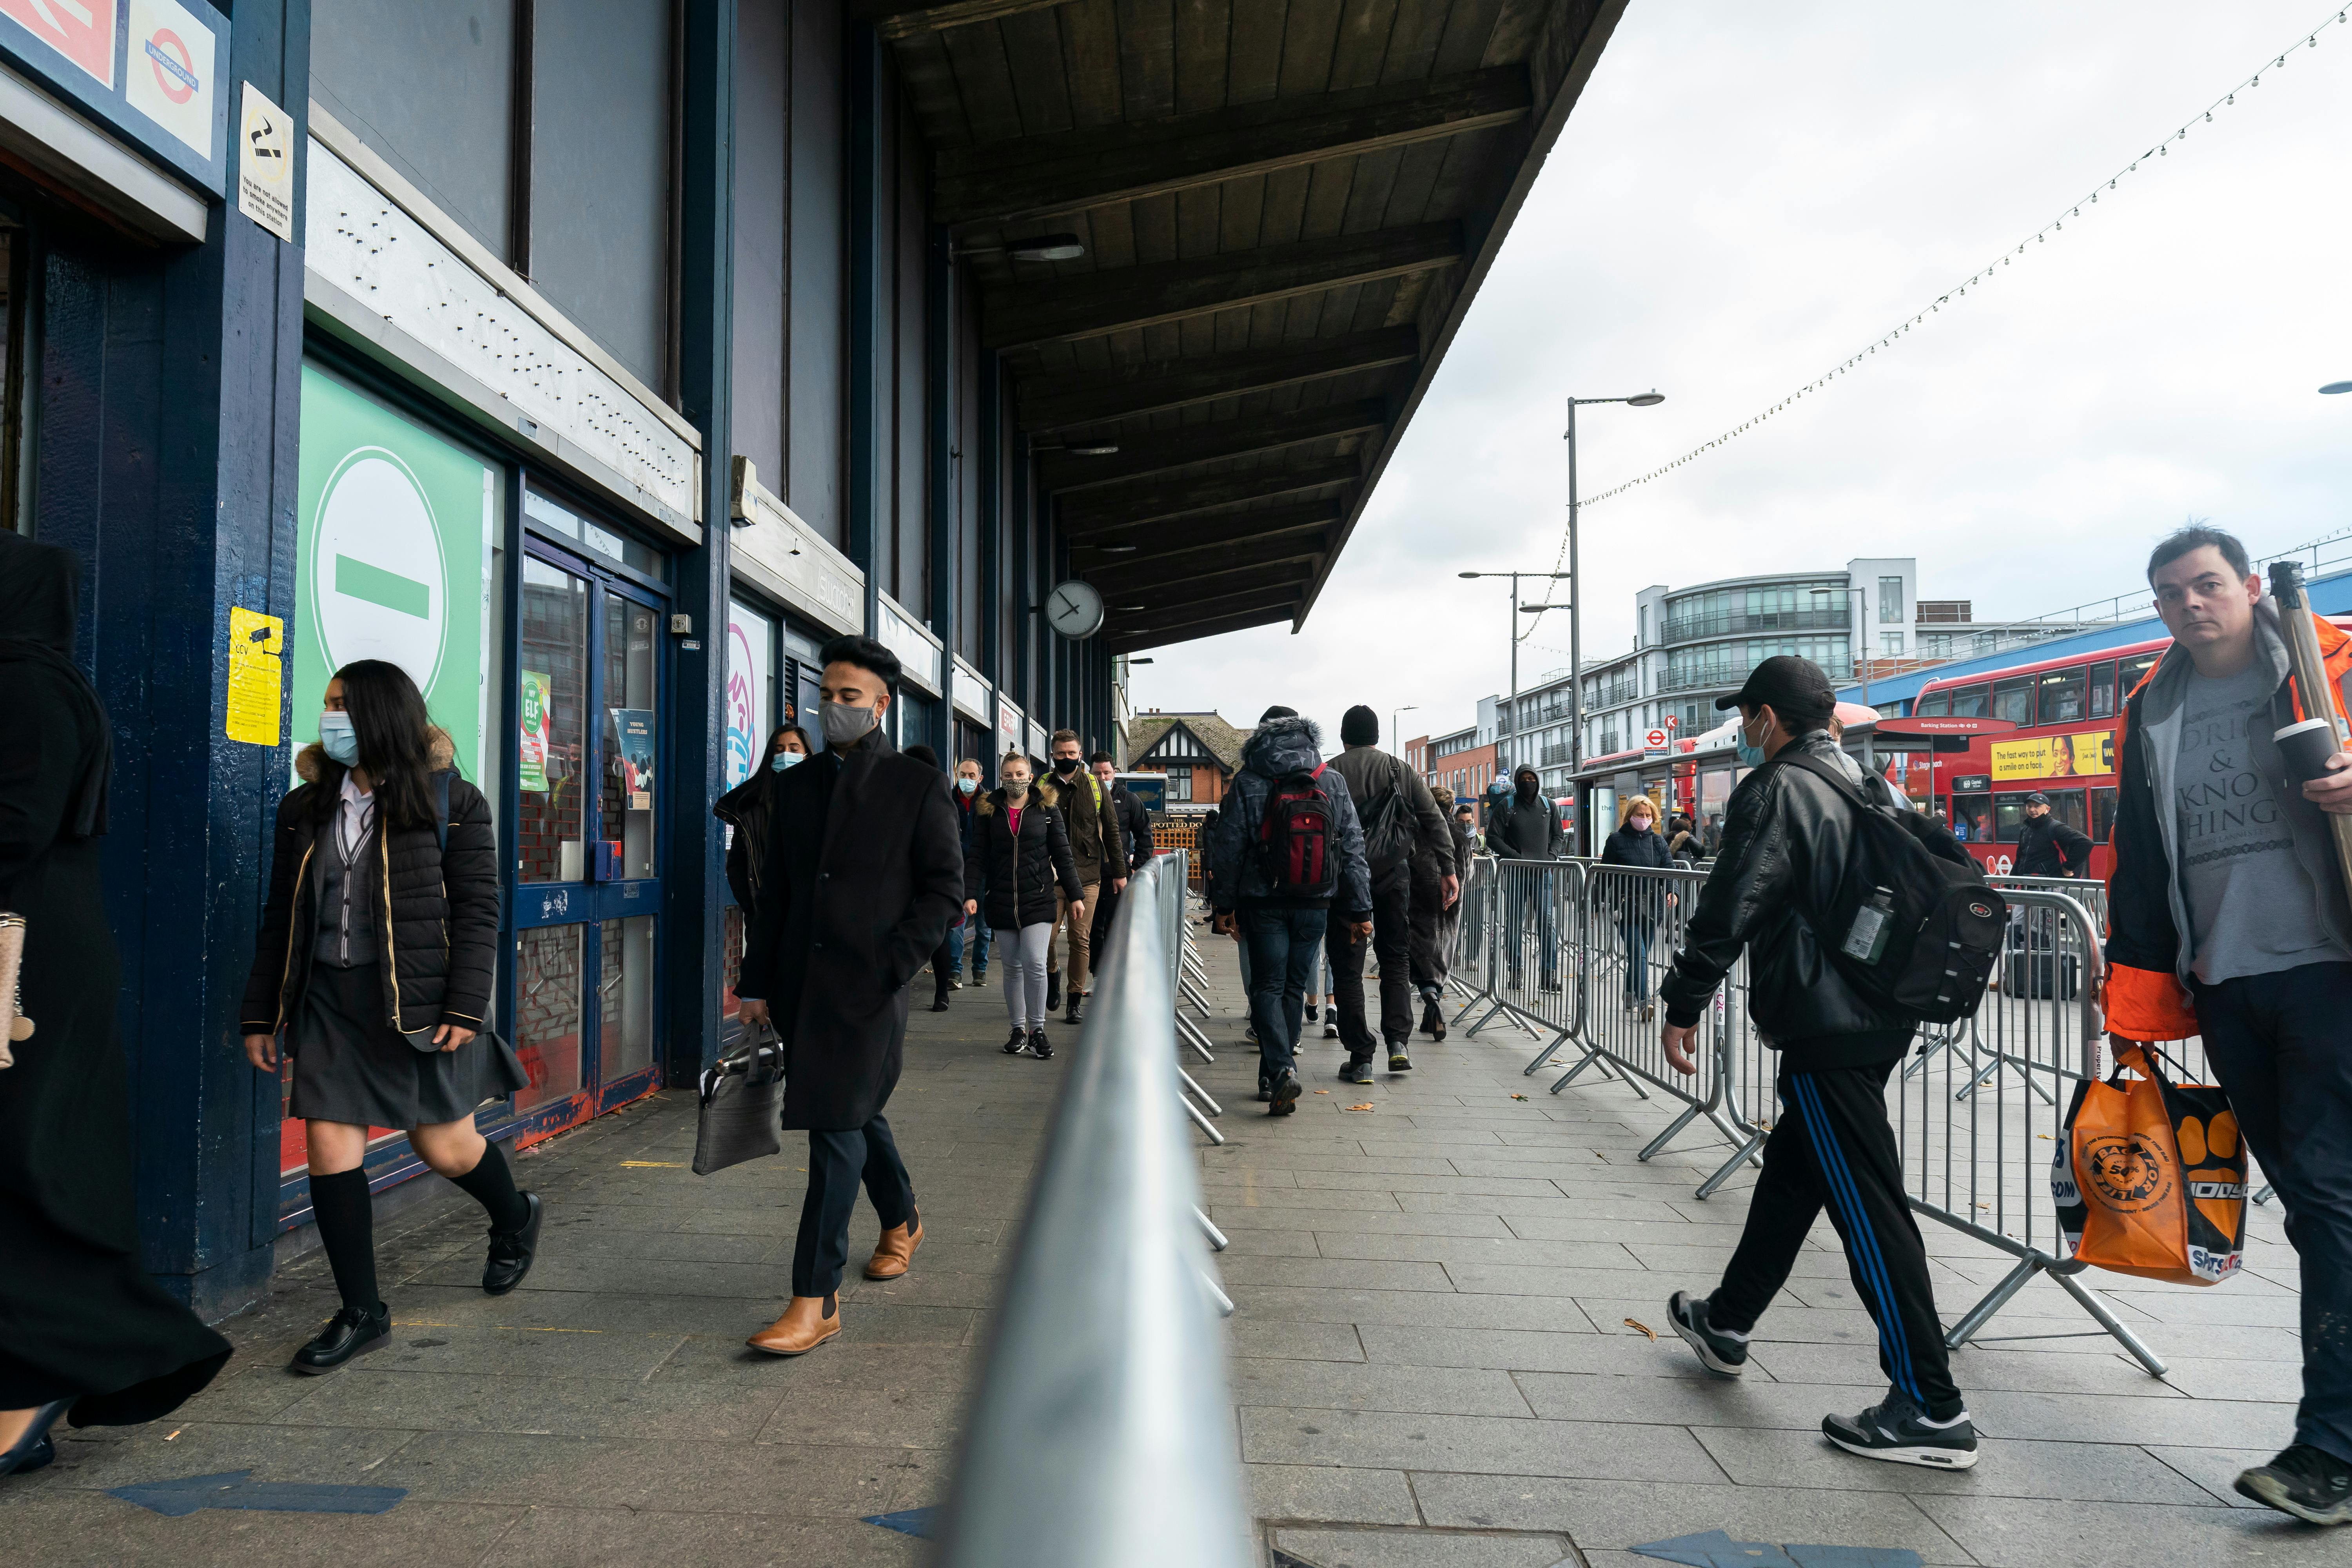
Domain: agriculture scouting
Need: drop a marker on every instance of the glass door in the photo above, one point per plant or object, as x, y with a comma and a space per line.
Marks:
589, 702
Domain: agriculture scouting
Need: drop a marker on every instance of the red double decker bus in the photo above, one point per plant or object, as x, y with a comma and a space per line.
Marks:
2066, 710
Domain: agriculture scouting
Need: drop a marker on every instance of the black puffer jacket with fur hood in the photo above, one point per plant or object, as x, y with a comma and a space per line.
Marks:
437, 914
1013, 882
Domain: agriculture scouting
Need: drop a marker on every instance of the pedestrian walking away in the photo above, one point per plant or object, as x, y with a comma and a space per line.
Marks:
2228, 918
1401, 820
1017, 872
377, 956
1097, 843
1522, 825
1636, 905
1285, 848
2047, 846
1437, 915
1790, 841
968, 935
947, 959
864, 873
89, 1336
1135, 836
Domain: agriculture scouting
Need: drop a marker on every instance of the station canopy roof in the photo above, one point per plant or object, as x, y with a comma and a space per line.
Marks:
1284, 208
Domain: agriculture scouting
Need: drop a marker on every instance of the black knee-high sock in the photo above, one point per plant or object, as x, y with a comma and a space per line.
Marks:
346, 1217
491, 1184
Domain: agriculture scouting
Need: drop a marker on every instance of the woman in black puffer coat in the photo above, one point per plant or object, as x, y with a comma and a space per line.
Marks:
378, 950
1019, 858
1637, 902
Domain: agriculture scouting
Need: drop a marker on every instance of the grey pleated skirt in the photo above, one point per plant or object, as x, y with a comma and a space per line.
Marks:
352, 1066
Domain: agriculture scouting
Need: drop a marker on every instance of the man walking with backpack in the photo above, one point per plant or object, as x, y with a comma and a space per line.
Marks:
1793, 844
1286, 845
2230, 922
1399, 818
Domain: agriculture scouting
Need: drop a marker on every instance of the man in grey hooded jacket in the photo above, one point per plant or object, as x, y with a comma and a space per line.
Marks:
1283, 933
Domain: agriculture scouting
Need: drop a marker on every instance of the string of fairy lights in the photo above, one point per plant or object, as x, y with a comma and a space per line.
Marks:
1950, 298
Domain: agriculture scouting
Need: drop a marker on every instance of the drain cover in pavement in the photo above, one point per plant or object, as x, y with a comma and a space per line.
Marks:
1716, 1550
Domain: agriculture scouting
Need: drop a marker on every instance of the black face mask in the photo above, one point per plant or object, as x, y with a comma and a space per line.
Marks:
1527, 788
1066, 766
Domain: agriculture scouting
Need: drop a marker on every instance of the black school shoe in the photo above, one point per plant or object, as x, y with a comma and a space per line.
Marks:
1040, 1046
512, 1252
1898, 1430
2310, 1483
1283, 1099
1718, 1352
34, 1450
1265, 1090
348, 1334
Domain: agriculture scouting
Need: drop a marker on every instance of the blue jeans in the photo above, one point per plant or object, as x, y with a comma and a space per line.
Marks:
1283, 944
978, 926
1530, 899
1636, 933
2278, 1042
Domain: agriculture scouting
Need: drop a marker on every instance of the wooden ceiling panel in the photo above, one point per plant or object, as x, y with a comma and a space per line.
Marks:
1135, 641
1286, 206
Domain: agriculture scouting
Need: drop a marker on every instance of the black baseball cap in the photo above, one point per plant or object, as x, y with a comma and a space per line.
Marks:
2037, 798
1791, 686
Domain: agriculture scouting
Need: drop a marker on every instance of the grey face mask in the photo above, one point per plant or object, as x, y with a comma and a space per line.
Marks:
843, 723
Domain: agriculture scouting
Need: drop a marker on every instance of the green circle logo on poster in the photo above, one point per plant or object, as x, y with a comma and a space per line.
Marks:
377, 583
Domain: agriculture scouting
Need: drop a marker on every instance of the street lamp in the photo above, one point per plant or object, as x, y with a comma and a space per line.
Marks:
1649, 399
2334, 387
1396, 736
1510, 713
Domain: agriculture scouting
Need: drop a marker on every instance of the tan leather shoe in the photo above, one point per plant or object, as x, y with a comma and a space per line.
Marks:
807, 1323
896, 1250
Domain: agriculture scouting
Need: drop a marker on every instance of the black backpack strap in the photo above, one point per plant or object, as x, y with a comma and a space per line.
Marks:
1836, 779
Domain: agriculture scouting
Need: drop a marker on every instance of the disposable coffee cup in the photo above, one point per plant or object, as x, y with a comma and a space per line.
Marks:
2305, 748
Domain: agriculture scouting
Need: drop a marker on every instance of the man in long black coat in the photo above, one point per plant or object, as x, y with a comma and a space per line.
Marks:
864, 873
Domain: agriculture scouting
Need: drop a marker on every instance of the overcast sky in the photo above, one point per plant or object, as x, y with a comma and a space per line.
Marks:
1745, 195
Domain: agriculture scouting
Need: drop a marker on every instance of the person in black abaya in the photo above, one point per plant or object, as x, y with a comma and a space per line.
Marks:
84, 1333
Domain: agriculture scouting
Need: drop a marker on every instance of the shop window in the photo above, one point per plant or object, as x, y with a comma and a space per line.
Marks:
2013, 699
626, 999
751, 689
632, 735
2064, 696
1971, 701
1972, 818
2103, 690
552, 697
2102, 813
547, 1012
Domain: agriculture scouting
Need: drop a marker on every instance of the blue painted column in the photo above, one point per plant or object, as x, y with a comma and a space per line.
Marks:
939, 427
695, 877
163, 406
868, 421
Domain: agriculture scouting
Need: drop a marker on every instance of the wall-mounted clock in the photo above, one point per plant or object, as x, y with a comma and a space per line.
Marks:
1075, 609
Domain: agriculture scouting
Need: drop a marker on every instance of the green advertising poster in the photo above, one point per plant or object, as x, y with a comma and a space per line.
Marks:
538, 697
393, 552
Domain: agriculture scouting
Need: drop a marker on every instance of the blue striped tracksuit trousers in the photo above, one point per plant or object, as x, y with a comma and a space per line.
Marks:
1834, 1148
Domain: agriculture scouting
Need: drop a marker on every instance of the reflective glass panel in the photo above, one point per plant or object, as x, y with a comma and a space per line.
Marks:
548, 1014
551, 742
627, 1012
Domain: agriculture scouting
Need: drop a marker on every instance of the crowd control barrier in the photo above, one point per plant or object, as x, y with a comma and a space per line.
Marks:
1102, 1430
1573, 951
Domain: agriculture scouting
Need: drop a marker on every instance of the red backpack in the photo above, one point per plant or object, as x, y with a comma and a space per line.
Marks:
1294, 838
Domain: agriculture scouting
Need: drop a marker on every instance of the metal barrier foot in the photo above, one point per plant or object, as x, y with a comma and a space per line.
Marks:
1224, 1302
1194, 1038
2106, 1320
1201, 1094
1708, 1188
1543, 1056
1217, 1242
1200, 1121
1662, 1138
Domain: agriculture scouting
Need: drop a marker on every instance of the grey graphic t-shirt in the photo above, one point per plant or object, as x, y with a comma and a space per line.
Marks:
2250, 906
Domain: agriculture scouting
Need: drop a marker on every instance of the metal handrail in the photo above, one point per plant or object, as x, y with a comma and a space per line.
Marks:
1102, 1432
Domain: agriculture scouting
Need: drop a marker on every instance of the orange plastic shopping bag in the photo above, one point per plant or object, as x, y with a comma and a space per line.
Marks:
2151, 1179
